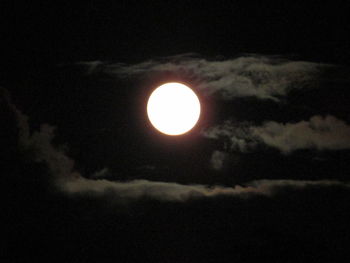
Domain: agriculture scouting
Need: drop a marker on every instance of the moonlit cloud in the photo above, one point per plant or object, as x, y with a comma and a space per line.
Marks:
165, 191
237, 135
320, 133
251, 75
137, 189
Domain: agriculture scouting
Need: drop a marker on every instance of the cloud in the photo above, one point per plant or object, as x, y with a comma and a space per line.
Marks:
167, 191
320, 133
217, 159
91, 66
237, 135
38, 147
251, 75
101, 173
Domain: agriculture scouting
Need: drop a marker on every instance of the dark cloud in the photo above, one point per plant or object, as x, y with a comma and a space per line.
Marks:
217, 159
91, 66
320, 133
101, 174
38, 146
262, 77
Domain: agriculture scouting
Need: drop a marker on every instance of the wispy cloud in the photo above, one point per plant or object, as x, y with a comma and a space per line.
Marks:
263, 77
320, 133
217, 159
167, 191
91, 66
38, 145
101, 173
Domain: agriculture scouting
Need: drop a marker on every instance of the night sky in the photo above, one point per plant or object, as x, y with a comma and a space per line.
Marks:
262, 177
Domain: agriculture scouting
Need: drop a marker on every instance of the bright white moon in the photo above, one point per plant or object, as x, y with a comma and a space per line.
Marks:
173, 108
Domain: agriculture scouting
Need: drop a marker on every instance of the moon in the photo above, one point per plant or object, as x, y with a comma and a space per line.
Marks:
173, 108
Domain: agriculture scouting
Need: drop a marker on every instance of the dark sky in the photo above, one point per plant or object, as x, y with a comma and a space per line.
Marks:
263, 176
109, 30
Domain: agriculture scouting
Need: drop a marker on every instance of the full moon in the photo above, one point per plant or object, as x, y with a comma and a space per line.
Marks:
173, 108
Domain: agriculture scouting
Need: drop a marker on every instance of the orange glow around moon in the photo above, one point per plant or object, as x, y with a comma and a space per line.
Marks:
173, 108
